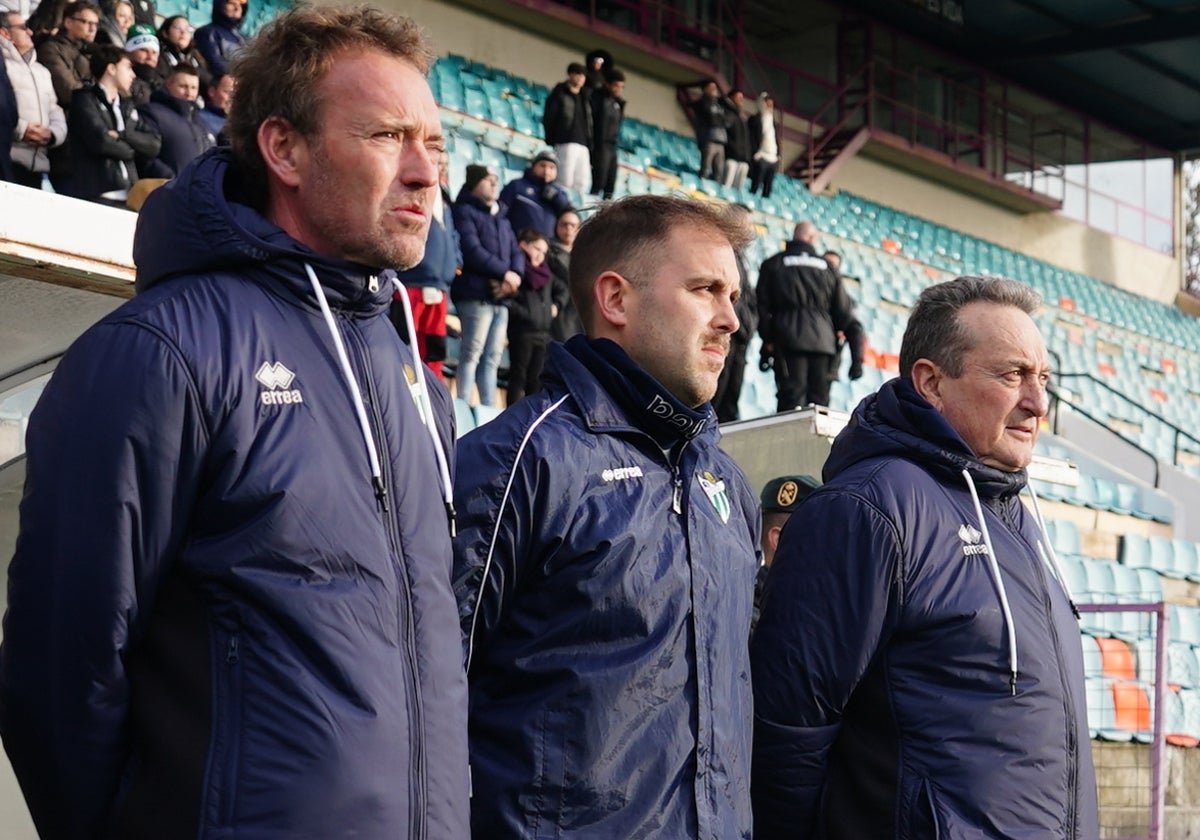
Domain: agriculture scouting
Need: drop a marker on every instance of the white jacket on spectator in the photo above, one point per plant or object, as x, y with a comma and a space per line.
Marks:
36, 103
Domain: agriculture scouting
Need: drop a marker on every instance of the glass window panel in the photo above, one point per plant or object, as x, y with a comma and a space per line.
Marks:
1102, 212
1130, 222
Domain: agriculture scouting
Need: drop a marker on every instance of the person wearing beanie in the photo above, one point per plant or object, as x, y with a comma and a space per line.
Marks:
492, 269
567, 121
534, 200
141, 44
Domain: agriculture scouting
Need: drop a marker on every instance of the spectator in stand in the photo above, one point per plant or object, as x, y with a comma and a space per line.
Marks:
801, 307
41, 123
217, 99
534, 200
8, 123
428, 283
853, 336
764, 145
65, 54
145, 11
220, 40
711, 131
492, 269
566, 322
107, 131
530, 315
177, 47
729, 386
608, 111
141, 43
173, 113
116, 23
597, 62
737, 150
567, 124
46, 19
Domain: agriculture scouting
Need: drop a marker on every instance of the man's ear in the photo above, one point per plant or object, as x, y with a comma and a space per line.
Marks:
612, 299
928, 378
283, 149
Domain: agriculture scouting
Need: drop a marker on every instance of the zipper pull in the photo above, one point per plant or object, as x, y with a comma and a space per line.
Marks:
380, 493
231, 655
373, 284
677, 496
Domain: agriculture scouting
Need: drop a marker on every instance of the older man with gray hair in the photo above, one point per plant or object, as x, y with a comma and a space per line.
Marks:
917, 669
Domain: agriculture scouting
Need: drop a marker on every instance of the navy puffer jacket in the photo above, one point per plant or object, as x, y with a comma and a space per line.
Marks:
884, 705
215, 628
489, 248
606, 591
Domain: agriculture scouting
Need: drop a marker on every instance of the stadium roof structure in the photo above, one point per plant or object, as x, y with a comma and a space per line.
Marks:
1134, 64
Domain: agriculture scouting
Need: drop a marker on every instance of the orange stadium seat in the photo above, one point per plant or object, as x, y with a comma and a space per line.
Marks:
1117, 659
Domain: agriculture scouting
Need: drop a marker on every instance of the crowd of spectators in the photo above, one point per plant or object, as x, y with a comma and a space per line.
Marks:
94, 135
582, 122
735, 145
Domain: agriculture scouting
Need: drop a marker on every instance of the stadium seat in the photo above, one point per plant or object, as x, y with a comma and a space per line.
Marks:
1117, 659
1131, 710
1102, 719
1175, 721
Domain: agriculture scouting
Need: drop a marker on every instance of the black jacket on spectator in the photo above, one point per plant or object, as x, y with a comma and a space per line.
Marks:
529, 310
738, 145
567, 323
146, 83
102, 162
8, 123
184, 134
568, 116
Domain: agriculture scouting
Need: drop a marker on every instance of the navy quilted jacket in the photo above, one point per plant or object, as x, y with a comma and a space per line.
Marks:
882, 660
605, 591
215, 628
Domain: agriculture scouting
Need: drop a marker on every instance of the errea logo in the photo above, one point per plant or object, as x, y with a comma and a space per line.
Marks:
277, 379
971, 541
621, 473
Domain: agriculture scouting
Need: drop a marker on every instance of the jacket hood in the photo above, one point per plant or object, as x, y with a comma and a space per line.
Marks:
900, 422
190, 226
221, 19
182, 107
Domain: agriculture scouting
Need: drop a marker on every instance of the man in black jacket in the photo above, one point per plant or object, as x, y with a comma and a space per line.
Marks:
608, 109
106, 131
801, 308
567, 121
173, 113
729, 386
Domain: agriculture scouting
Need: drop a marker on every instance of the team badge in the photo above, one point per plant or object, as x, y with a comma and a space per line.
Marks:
786, 497
714, 488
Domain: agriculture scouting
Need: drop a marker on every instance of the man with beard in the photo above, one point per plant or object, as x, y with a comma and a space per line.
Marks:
605, 565
230, 611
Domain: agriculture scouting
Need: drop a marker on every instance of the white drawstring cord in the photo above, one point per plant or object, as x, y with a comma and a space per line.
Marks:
1049, 555
1008, 619
348, 373
425, 406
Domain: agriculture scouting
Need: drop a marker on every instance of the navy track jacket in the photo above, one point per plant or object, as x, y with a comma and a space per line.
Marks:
606, 594
215, 629
884, 706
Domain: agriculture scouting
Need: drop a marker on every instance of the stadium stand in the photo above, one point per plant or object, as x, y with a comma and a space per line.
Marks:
1130, 364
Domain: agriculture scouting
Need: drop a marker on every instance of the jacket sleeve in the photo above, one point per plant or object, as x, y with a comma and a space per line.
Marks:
495, 495
90, 131
58, 123
142, 135
830, 604
552, 115
115, 449
766, 314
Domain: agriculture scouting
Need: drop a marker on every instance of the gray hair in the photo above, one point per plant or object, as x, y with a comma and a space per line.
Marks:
934, 331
